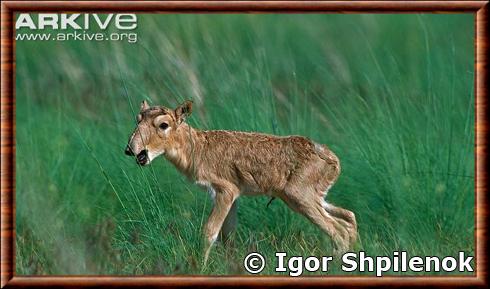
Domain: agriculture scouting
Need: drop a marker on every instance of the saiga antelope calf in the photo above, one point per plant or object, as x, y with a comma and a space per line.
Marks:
231, 163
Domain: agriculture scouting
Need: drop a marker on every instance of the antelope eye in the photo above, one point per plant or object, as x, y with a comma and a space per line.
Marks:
163, 125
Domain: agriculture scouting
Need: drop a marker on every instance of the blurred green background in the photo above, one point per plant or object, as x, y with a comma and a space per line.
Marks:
391, 95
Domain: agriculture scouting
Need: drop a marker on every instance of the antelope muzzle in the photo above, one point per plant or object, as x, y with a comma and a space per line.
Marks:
141, 157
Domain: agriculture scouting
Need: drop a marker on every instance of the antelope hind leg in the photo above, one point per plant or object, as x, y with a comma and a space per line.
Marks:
314, 212
330, 225
345, 217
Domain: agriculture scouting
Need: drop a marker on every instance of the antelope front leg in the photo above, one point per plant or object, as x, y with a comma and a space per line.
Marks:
222, 204
229, 224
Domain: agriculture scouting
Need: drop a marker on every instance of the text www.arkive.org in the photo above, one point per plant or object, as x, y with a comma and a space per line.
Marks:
78, 36
76, 27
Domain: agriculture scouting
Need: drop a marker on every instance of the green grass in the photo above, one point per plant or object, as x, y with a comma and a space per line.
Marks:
391, 95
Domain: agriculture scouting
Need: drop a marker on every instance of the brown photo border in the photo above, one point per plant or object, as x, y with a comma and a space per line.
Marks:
8, 8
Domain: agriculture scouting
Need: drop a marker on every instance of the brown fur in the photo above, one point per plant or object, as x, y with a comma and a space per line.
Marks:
232, 163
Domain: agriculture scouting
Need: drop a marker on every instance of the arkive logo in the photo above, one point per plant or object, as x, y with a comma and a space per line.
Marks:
76, 21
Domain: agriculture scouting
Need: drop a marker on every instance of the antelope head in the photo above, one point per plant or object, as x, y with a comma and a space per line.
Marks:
156, 132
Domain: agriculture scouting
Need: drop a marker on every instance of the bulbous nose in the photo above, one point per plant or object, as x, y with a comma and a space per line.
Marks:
128, 151
142, 157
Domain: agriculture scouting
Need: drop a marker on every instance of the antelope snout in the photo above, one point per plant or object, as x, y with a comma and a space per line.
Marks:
142, 158
128, 151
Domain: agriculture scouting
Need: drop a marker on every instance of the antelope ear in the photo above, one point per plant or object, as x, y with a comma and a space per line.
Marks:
144, 106
183, 111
